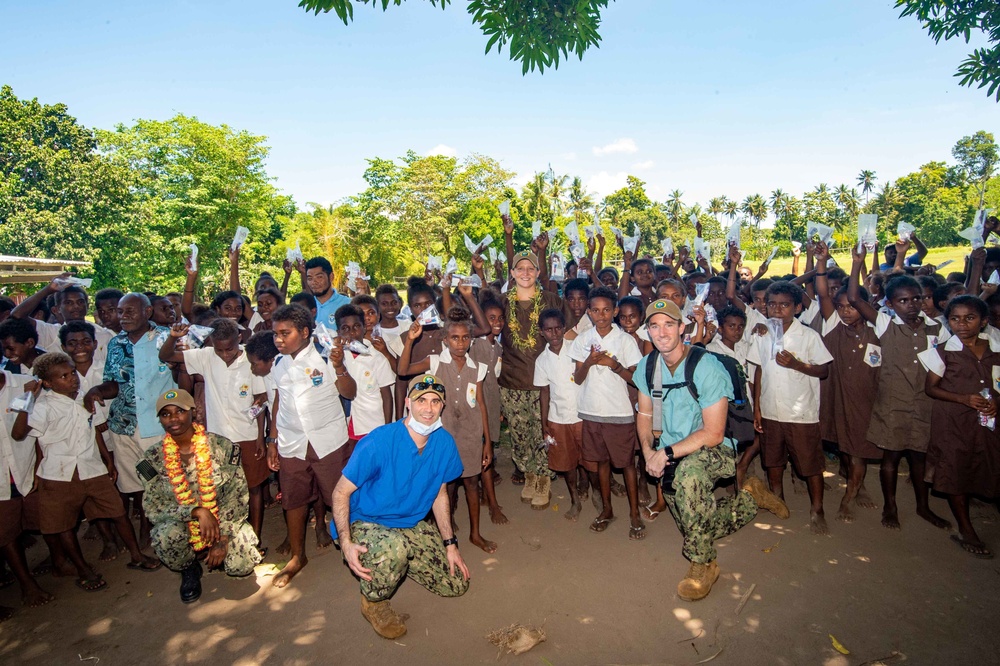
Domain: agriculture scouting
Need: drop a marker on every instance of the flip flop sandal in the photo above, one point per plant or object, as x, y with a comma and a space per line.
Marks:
650, 514
636, 533
600, 524
91, 584
517, 480
966, 545
142, 566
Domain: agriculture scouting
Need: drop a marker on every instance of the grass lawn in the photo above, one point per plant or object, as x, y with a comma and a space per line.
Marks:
935, 255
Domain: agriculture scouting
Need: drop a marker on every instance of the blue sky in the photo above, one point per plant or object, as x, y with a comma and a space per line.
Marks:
729, 97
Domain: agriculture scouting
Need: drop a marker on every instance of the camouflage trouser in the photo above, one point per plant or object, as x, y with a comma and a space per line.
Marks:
397, 552
524, 421
171, 545
701, 518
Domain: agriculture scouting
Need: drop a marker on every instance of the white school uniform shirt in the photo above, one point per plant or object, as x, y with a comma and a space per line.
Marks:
740, 352
556, 372
810, 313
753, 319
17, 459
309, 412
787, 395
370, 372
65, 433
604, 395
393, 337
48, 339
229, 392
993, 335
932, 361
94, 377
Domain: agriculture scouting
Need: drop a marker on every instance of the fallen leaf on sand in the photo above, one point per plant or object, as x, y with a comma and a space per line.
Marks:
768, 550
149, 594
838, 646
516, 638
555, 507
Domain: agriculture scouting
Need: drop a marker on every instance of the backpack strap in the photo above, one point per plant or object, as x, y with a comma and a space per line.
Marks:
658, 390
694, 355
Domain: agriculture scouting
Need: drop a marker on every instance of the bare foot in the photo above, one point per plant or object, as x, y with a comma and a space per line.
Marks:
864, 500
284, 548
286, 575
488, 546
36, 597
934, 519
845, 515
617, 489
817, 523
890, 519
574, 512
109, 554
91, 534
323, 538
497, 516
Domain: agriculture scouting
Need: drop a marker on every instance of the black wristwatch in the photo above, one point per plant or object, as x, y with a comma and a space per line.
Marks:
670, 455
451, 542
270, 440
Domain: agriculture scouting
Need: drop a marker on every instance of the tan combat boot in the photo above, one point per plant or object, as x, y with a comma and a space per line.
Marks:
699, 581
543, 493
528, 491
765, 498
385, 621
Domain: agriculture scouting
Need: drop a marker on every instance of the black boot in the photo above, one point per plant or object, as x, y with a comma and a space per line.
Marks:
191, 583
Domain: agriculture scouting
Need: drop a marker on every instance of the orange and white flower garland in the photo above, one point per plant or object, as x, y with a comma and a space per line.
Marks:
179, 481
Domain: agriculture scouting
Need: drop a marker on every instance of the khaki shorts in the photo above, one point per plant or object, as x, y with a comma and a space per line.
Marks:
60, 502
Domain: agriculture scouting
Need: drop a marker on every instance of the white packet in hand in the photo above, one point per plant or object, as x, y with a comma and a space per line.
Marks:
239, 238
505, 207
572, 232
578, 250
974, 236
819, 232
667, 246
196, 336
23, 403
905, 230
702, 249
867, 234
433, 263
294, 254
774, 253
631, 243
558, 268
429, 317
194, 256
502, 257
254, 410
777, 330
477, 248
359, 348
452, 267
994, 278
700, 292
493, 255
324, 337
797, 245
733, 235
619, 235
693, 218
945, 263
471, 280
536, 229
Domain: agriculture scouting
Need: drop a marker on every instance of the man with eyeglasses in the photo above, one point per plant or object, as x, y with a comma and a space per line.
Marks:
398, 473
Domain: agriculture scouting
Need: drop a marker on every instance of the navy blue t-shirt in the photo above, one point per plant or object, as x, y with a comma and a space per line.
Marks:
397, 483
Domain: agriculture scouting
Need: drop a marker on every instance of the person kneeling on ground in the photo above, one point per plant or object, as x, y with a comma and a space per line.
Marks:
196, 497
692, 451
397, 473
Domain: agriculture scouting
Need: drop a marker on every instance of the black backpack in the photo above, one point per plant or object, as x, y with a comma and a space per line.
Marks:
739, 424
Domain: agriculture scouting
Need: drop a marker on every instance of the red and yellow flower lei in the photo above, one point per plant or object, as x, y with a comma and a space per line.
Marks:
179, 481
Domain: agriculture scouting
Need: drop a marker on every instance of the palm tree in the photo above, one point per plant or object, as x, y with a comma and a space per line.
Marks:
557, 190
731, 207
717, 206
777, 200
675, 208
755, 208
887, 199
847, 200
580, 201
535, 198
866, 181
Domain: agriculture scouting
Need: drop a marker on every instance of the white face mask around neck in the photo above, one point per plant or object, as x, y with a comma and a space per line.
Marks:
422, 429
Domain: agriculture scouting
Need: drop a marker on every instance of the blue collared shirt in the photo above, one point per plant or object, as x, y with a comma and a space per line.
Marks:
325, 311
141, 380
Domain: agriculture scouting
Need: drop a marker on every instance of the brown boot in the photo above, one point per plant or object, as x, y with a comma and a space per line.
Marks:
385, 621
543, 493
765, 498
699, 581
528, 491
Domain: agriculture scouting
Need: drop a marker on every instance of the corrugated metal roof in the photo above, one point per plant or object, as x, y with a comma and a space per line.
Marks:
31, 262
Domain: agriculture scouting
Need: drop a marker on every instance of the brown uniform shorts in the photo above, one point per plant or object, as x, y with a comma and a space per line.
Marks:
616, 442
303, 481
255, 470
567, 453
798, 441
60, 502
17, 514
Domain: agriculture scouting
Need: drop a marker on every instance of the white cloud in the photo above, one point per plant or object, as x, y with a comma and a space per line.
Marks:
604, 183
442, 149
617, 146
569, 157
647, 164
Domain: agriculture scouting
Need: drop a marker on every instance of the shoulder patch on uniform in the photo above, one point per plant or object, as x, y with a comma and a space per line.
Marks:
146, 470
234, 457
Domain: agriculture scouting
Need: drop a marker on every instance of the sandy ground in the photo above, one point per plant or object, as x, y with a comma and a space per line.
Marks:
600, 599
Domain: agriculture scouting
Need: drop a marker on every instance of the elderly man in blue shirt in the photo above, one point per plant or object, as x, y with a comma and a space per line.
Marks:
396, 474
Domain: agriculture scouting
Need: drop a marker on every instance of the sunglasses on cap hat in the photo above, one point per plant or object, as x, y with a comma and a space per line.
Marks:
427, 384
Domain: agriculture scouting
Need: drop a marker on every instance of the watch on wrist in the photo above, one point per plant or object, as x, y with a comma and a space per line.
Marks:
453, 541
270, 440
670, 455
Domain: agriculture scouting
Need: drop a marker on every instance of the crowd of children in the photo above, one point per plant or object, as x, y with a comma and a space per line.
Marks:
870, 362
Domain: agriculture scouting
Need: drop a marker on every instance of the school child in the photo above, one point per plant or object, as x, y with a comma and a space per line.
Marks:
372, 404
75, 472
18, 505
261, 352
927, 304
465, 416
786, 398
231, 389
19, 341
630, 319
487, 350
561, 423
852, 383
305, 300
308, 426
269, 299
575, 307
900, 423
72, 303
374, 334
639, 272
963, 377
419, 297
605, 359
106, 308
943, 295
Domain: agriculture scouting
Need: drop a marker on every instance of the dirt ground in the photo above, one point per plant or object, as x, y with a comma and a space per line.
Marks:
909, 596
